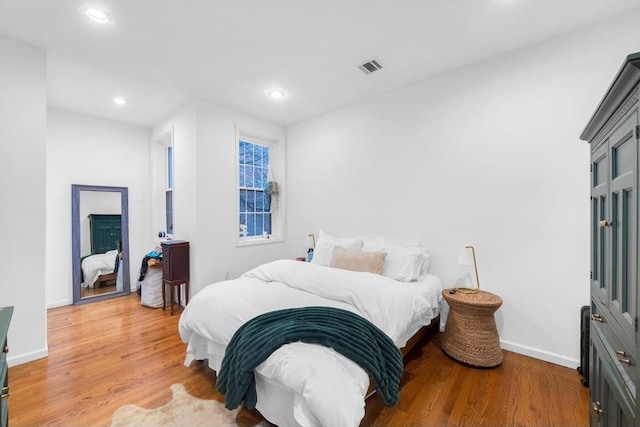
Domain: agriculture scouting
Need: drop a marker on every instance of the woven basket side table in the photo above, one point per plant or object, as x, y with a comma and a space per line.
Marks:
470, 335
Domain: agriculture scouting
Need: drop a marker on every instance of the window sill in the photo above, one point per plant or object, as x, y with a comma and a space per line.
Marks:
258, 241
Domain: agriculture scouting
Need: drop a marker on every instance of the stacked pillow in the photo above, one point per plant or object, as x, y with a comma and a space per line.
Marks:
323, 251
404, 263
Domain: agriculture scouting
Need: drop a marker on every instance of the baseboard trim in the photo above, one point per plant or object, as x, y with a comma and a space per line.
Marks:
64, 302
59, 303
19, 359
554, 358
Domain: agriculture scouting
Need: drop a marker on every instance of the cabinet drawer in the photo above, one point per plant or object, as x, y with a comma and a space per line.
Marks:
610, 392
166, 270
622, 359
608, 323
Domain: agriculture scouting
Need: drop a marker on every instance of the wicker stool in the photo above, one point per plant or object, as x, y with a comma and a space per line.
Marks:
470, 334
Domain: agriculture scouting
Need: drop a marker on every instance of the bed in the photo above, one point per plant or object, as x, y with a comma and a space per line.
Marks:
304, 384
100, 269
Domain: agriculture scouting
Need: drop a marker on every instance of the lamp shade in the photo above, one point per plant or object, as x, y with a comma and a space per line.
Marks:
465, 257
310, 242
467, 266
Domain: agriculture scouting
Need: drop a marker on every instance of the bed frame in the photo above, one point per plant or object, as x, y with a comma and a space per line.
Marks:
431, 329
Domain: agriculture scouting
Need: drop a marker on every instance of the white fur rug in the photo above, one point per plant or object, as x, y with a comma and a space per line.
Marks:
183, 410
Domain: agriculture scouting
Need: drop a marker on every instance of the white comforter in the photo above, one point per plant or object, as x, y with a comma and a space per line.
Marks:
328, 389
96, 265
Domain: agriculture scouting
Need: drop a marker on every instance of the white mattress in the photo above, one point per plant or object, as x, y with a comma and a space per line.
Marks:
306, 384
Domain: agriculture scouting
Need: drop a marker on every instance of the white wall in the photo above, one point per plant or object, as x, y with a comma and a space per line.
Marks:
204, 137
91, 151
23, 119
488, 155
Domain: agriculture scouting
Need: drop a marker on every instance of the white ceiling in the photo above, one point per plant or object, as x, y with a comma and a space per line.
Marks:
161, 53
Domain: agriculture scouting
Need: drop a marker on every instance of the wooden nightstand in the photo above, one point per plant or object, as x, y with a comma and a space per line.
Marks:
470, 335
175, 270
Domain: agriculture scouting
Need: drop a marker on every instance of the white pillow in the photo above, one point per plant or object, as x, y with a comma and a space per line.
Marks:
324, 247
404, 263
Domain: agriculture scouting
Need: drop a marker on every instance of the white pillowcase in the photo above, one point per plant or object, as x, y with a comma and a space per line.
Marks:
404, 263
324, 247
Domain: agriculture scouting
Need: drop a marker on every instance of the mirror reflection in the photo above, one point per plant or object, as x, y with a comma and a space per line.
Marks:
100, 242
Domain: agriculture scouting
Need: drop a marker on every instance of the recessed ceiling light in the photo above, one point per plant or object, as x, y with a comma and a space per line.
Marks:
276, 93
97, 15
119, 100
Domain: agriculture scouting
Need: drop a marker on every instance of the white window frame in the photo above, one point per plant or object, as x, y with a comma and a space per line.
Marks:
169, 182
159, 182
276, 173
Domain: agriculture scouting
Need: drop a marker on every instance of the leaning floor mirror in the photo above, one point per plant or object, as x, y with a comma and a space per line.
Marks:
100, 242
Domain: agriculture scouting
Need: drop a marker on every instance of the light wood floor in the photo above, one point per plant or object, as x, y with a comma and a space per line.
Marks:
107, 354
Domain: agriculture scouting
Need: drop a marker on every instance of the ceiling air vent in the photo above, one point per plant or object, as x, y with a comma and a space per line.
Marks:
370, 67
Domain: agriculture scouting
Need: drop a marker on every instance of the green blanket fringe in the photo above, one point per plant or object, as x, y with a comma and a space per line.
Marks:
349, 334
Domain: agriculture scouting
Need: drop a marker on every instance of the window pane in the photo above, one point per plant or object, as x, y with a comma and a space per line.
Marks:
267, 223
264, 177
259, 202
251, 224
169, 213
249, 176
242, 148
259, 221
243, 221
243, 201
169, 167
259, 181
251, 204
249, 153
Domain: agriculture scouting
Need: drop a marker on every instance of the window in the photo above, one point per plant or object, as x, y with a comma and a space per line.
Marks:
169, 189
255, 190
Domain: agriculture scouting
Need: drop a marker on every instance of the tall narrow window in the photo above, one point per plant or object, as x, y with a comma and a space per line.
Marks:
169, 189
254, 189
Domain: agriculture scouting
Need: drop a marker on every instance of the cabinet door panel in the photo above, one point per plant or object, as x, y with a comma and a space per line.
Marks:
624, 200
600, 211
595, 375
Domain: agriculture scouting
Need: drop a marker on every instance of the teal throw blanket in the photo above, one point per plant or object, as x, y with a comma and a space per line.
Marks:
345, 332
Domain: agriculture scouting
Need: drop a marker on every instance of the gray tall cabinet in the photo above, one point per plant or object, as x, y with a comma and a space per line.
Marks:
613, 134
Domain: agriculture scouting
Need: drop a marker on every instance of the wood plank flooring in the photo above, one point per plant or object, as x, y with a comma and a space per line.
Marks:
107, 354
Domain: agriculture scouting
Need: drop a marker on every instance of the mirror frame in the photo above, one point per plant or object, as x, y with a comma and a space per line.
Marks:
75, 242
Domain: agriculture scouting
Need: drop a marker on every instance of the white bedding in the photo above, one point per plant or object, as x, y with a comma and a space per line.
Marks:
306, 384
94, 266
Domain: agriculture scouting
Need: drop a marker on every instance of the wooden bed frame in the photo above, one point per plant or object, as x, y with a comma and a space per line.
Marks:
431, 329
